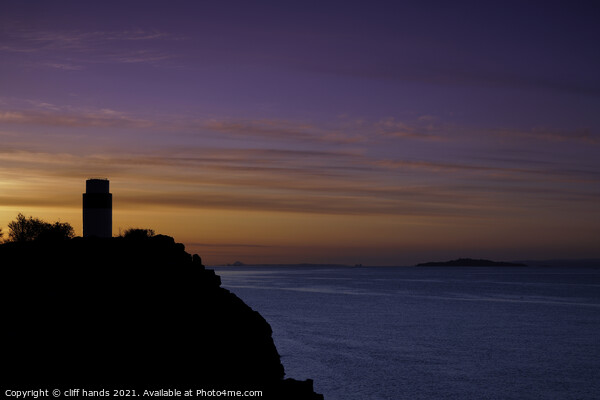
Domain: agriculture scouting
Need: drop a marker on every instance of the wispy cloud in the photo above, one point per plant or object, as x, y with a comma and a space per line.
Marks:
43, 113
140, 56
424, 128
271, 180
523, 171
74, 49
73, 118
358, 134
36, 40
280, 165
65, 66
424, 67
229, 245
280, 129
582, 135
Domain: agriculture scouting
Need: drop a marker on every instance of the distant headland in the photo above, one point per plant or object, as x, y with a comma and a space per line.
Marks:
470, 262
131, 310
135, 310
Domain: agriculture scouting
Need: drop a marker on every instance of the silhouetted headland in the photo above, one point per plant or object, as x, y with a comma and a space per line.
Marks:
470, 262
131, 311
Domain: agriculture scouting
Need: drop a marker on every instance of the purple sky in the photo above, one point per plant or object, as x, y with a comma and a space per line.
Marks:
351, 132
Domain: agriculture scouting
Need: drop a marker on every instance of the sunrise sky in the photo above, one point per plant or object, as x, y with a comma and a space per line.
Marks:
382, 133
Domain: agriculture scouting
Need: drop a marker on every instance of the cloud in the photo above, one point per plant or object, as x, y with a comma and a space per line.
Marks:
581, 135
523, 171
426, 68
65, 66
73, 49
357, 135
49, 201
445, 167
335, 183
230, 245
239, 179
38, 40
424, 128
43, 113
140, 56
280, 129
351, 168
73, 118
292, 202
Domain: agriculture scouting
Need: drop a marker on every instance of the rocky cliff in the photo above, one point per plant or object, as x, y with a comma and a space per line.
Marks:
137, 313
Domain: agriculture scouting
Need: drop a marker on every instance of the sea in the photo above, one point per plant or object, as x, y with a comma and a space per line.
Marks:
431, 332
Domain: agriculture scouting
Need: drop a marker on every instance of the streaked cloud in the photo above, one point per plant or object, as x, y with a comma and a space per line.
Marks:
72, 50
582, 135
73, 118
42, 113
300, 181
359, 134
278, 129
488, 169
38, 40
332, 168
423, 128
65, 66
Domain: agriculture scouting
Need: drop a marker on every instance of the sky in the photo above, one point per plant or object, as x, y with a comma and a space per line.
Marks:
371, 132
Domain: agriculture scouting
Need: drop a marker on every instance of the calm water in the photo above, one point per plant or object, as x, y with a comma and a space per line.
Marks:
432, 333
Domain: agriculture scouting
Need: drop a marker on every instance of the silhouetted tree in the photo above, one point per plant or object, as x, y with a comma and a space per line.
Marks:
57, 231
138, 233
25, 229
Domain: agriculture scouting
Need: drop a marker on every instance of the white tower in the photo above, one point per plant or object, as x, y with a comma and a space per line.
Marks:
97, 209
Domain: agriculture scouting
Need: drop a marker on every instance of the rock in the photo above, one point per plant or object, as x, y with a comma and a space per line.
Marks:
131, 312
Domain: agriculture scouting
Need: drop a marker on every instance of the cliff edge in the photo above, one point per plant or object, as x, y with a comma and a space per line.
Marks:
138, 313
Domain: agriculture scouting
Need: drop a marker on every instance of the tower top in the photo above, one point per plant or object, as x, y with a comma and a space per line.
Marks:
97, 186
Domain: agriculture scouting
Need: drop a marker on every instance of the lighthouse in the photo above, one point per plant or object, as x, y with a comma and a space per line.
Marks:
97, 209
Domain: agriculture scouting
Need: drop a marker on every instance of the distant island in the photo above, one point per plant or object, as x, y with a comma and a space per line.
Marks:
470, 262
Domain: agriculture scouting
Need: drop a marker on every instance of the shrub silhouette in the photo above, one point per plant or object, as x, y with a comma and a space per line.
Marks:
138, 233
25, 229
